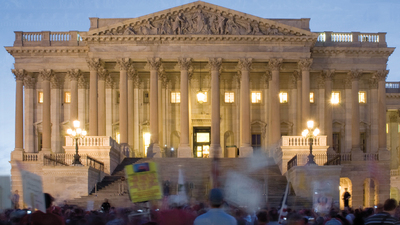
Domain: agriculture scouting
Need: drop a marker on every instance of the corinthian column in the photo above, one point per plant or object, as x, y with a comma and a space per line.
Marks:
355, 111
82, 86
136, 83
46, 76
29, 84
304, 66
131, 76
244, 66
381, 77
56, 99
74, 75
328, 75
19, 109
102, 74
184, 150
154, 65
123, 64
215, 147
274, 66
94, 65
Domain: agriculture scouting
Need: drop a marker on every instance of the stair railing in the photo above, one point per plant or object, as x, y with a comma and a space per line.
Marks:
292, 163
92, 162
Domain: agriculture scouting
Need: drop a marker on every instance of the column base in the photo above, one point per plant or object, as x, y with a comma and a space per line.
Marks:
215, 151
245, 151
184, 151
154, 151
17, 154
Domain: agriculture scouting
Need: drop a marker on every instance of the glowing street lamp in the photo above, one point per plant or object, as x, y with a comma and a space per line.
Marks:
76, 134
310, 134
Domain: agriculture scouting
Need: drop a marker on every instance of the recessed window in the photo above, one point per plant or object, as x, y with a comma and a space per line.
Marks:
202, 96
335, 98
311, 97
175, 97
117, 137
255, 97
40, 96
229, 97
146, 97
387, 128
283, 97
67, 97
362, 97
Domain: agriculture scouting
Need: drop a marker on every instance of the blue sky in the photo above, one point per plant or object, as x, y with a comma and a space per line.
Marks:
64, 15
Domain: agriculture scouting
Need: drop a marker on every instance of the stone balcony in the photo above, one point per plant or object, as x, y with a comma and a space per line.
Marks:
48, 38
352, 39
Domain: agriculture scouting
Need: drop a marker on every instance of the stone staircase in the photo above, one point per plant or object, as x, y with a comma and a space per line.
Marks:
196, 172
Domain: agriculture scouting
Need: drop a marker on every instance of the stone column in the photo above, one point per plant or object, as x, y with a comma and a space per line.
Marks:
56, 100
109, 106
274, 66
304, 66
46, 76
244, 67
293, 104
29, 83
348, 114
328, 75
131, 76
73, 75
82, 86
184, 150
300, 126
154, 65
19, 109
373, 108
267, 78
393, 141
123, 64
94, 65
381, 76
215, 147
355, 111
102, 74
136, 83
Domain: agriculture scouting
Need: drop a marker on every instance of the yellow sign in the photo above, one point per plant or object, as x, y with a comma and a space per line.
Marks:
143, 182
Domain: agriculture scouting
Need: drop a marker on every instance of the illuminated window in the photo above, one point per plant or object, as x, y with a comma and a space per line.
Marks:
67, 97
362, 97
203, 137
175, 97
117, 137
387, 128
146, 141
398, 128
335, 98
311, 97
255, 97
229, 97
40, 96
283, 97
202, 96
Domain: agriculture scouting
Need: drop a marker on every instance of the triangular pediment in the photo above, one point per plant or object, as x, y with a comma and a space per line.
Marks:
199, 18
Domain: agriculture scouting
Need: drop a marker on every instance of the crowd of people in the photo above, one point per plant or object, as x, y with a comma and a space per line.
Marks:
215, 211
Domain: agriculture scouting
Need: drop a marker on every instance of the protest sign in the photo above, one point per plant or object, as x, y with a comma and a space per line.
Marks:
143, 182
5, 192
33, 190
90, 206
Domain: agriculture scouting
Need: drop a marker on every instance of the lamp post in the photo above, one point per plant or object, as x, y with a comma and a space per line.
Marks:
76, 134
310, 134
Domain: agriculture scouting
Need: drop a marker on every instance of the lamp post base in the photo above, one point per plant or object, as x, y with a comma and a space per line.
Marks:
311, 161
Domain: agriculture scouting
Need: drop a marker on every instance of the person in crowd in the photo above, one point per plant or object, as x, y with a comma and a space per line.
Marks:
262, 217
105, 206
295, 219
386, 217
215, 215
346, 198
177, 214
333, 218
43, 218
15, 200
273, 216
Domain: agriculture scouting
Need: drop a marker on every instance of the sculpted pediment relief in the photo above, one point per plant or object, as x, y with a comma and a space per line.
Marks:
199, 18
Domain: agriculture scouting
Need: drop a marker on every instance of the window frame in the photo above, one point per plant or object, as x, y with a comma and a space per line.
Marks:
365, 97
312, 100
40, 97
281, 96
175, 93
233, 97
65, 97
259, 101
339, 97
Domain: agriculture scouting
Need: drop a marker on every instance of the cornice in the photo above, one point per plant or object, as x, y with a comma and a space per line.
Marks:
392, 95
336, 51
47, 50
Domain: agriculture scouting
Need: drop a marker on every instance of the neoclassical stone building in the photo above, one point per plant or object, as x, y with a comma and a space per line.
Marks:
200, 80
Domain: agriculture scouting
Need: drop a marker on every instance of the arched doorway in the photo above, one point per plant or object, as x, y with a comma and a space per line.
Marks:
345, 183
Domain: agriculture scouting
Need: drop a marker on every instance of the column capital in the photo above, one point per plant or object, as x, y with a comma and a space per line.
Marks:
74, 74
275, 64
215, 64
102, 73
321, 81
124, 63
136, 81
82, 83
373, 83
153, 63
132, 73
354, 75
46, 74
93, 63
380, 75
162, 76
347, 83
328, 74
184, 63
293, 83
245, 64
55, 82
29, 82
109, 82
305, 64
19, 74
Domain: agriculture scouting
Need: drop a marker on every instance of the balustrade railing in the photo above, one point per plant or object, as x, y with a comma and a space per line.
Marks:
60, 36
92, 162
53, 160
302, 141
371, 156
93, 141
31, 157
47, 38
31, 36
62, 159
342, 37
368, 38
292, 162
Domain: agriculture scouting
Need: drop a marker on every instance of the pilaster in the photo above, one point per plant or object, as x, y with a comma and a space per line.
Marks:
304, 66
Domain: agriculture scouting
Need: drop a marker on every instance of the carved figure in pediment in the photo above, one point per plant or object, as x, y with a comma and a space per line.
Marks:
256, 29
272, 31
221, 24
129, 30
148, 28
178, 24
201, 25
166, 27
213, 24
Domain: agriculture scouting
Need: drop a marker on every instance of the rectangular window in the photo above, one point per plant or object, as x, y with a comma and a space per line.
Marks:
362, 97
256, 142
311, 97
283, 97
255, 97
146, 142
40, 96
146, 97
336, 142
201, 96
387, 128
67, 97
335, 97
175, 97
229, 97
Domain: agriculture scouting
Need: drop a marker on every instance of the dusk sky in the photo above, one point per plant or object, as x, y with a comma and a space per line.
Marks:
369, 16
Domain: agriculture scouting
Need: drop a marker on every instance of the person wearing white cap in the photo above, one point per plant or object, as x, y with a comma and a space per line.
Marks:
215, 215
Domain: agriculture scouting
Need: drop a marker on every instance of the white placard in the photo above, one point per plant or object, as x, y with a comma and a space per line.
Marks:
5, 192
90, 206
33, 190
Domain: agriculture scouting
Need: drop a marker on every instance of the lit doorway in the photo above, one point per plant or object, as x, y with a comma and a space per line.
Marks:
201, 142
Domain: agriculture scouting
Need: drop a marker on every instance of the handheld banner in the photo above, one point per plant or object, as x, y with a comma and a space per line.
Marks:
33, 190
143, 182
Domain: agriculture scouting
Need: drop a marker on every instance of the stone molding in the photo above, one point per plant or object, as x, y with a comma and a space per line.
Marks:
55, 82
82, 83
373, 83
392, 95
124, 63
162, 76
102, 73
275, 64
393, 117
19, 74
48, 50
380, 75
355, 75
184, 63
267, 76
29, 82
109, 82
245, 64
46, 74
93, 63
305, 64
321, 81
74, 74
153, 63
132, 72
215, 64
347, 83
136, 81
336, 51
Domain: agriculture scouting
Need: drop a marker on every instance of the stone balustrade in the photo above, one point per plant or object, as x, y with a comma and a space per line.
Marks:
31, 157
47, 38
302, 141
392, 87
93, 141
339, 38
